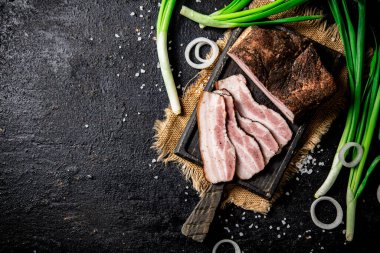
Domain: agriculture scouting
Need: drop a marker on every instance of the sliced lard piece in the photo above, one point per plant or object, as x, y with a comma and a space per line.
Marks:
286, 67
267, 143
249, 108
218, 153
249, 159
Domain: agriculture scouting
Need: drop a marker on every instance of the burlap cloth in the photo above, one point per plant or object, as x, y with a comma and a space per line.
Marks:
169, 130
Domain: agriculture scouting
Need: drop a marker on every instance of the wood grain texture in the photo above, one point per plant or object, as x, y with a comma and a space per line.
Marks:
198, 223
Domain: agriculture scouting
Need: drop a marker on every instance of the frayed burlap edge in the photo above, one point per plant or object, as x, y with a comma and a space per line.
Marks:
169, 130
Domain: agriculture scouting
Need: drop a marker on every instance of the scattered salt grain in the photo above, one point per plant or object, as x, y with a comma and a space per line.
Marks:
86, 125
117, 35
242, 218
91, 38
139, 39
154, 160
283, 222
241, 234
155, 177
117, 74
186, 193
256, 226
279, 236
187, 187
137, 74
237, 225
141, 8
132, 13
250, 226
288, 226
270, 227
278, 228
287, 193
142, 71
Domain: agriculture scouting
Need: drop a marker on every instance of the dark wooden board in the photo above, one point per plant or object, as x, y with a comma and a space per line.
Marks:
265, 182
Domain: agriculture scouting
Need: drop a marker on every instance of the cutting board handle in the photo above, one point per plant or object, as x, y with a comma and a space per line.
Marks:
198, 223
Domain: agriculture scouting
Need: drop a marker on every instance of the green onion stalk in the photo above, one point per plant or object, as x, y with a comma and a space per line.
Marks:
163, 22
233, 16
364, 108
354, 50
355, 184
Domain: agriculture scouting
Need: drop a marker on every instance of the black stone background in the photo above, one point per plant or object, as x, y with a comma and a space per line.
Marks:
76, 169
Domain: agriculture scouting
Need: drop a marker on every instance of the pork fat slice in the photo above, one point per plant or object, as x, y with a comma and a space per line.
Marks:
218, 153
249, 108
286, 67
267, 143
249, 159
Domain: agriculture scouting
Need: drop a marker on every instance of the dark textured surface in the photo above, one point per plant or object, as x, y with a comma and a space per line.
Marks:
76, 169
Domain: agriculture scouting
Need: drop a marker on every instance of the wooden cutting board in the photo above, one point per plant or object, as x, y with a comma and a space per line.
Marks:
265, 182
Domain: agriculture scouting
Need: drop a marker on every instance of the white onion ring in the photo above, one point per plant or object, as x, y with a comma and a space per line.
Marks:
358, 156
339, 213
378, 193
197, 51
236, 246
207, 63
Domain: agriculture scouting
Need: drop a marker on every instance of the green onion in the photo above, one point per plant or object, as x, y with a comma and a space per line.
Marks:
363, 112
235, 5
163, 21
231, 16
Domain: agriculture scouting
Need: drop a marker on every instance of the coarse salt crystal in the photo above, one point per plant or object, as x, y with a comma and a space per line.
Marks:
117, 35
155, 177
